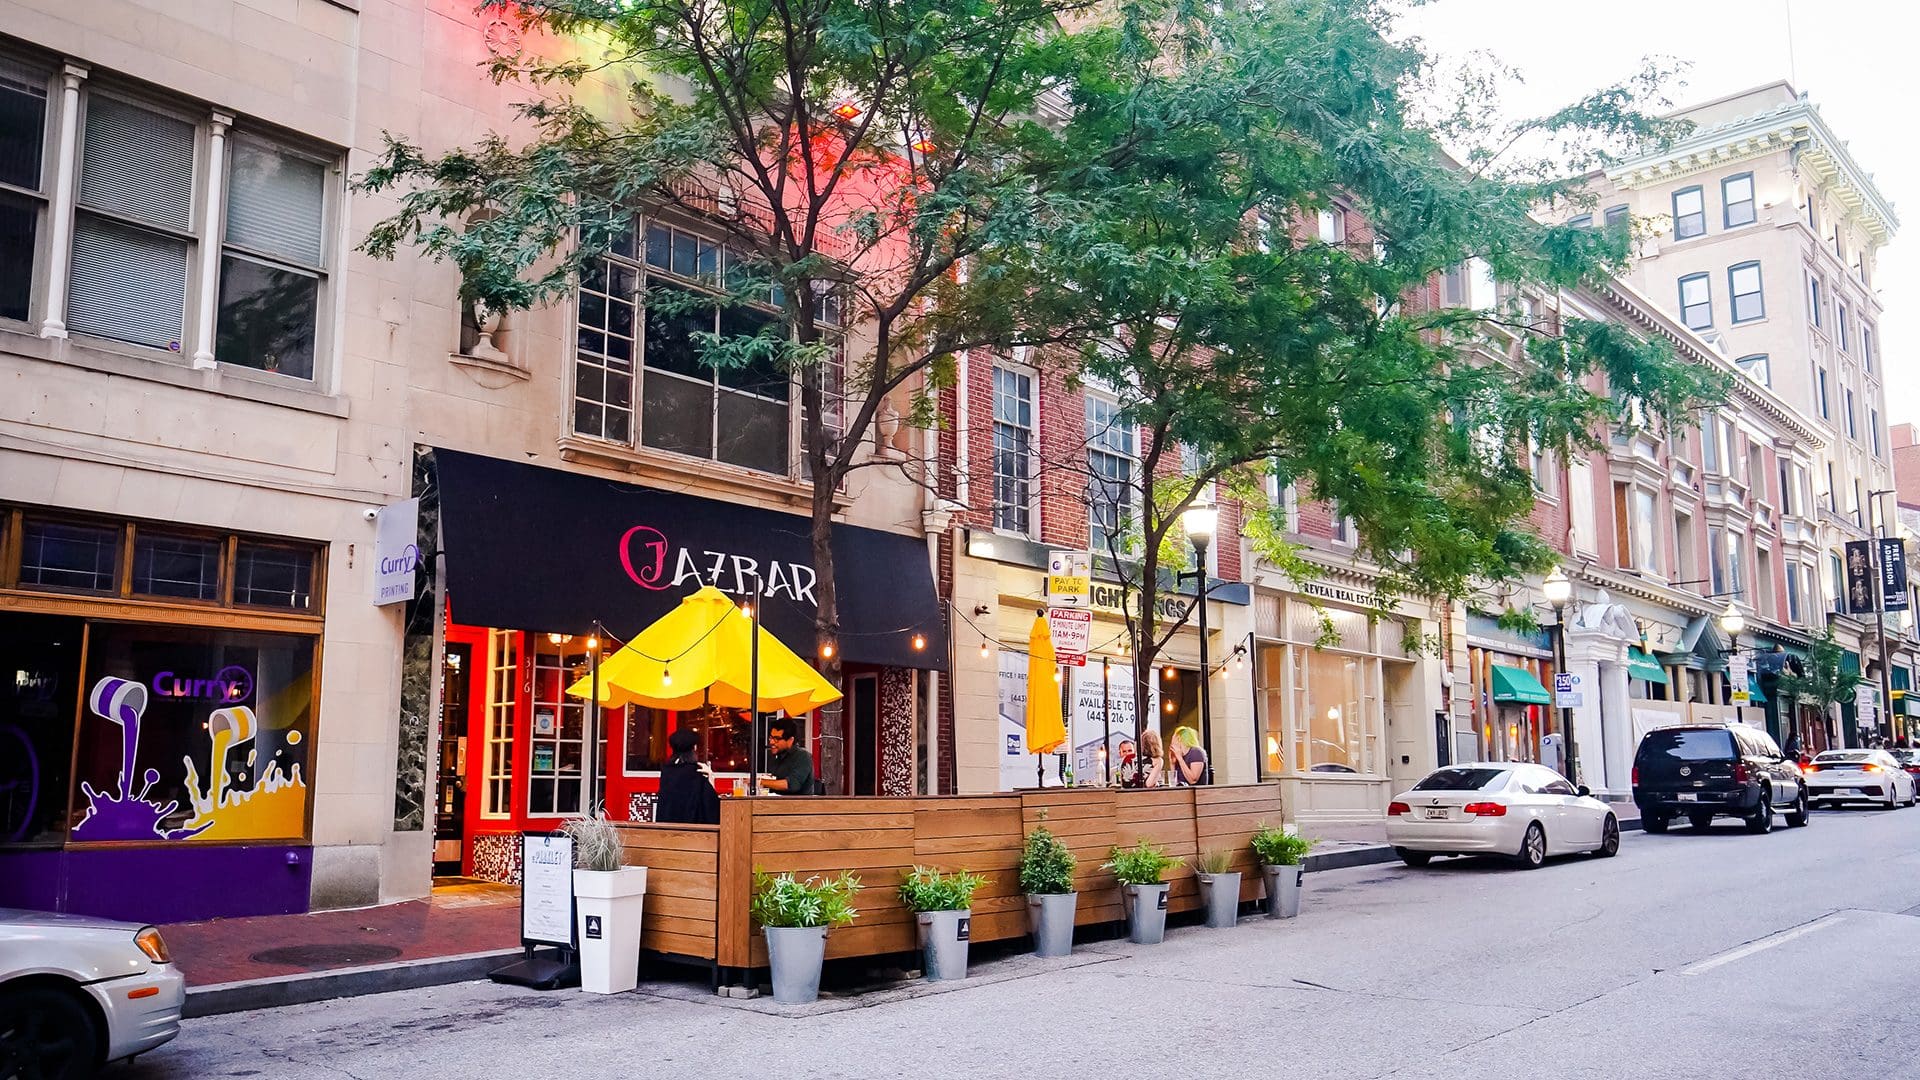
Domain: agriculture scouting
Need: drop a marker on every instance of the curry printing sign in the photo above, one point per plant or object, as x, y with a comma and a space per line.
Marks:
396, 551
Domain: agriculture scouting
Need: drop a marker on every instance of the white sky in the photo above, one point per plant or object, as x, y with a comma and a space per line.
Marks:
1855, 58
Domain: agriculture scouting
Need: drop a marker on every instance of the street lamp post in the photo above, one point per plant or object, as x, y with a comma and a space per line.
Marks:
1731, 624
1199, 521
1559, 589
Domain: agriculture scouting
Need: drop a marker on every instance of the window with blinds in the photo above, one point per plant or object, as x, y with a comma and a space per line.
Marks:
23, 137
272, 260
131, 236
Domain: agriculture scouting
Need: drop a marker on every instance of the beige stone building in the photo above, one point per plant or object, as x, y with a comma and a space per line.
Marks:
207, 394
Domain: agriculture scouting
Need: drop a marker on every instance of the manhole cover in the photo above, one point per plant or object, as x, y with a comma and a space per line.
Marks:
326, 956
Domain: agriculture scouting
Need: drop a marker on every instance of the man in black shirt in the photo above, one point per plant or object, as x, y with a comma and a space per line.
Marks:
790, 768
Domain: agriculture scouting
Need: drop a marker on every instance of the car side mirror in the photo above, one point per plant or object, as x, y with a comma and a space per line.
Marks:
1583, 791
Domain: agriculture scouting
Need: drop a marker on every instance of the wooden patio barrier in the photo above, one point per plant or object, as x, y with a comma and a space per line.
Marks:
700, 877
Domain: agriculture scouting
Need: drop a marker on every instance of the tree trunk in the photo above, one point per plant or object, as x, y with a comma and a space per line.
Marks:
826, 625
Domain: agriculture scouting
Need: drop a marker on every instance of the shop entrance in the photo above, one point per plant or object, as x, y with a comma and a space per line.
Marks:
863, 698
449, 821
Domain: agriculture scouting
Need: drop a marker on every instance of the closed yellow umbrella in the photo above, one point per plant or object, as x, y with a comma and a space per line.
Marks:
1046, 730
701, 653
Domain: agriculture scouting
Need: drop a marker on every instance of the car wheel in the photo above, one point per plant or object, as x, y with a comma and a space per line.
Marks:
1654, 823
1609, 838
46, 1034
1533, 848
1892, 801
1762, 819
1801, 812
1700, 821
1415, 859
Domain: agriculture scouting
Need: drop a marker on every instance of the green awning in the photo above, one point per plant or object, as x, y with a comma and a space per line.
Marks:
1642, 665
1512, 684
1754, 696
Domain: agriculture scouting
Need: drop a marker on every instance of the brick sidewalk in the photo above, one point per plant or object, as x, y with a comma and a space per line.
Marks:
457, 920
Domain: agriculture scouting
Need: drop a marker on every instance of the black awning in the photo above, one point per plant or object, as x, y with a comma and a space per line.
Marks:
532, 548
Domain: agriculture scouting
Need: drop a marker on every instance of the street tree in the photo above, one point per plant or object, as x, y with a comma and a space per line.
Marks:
1270, 240
1824, 681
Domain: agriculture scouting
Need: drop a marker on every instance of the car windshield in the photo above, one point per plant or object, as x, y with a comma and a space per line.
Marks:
1465, 779
1834, 758
1689, 744
1904, 757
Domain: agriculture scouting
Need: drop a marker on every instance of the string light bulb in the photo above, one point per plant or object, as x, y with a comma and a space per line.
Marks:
747, 610
593, 643
1167, 672
1169, 708
919, 642
1056, 674
986, 651
666, 677
827, 650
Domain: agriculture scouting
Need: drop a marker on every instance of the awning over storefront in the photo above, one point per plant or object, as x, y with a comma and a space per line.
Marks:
1754, 696
1518, 686
1642, 665
532, 548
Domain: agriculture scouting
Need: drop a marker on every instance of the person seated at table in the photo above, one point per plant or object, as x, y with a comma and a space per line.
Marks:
790, 767
686, 789
1148, 768
1187, 761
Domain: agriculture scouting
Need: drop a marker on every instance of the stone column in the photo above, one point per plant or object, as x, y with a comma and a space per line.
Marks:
60, 211
206, 298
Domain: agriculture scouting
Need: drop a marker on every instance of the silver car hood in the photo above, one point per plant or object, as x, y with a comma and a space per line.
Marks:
54, 920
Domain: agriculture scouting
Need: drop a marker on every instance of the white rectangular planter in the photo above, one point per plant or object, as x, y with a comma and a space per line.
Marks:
608, 906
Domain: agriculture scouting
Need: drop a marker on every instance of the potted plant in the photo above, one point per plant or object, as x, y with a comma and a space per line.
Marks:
1140, 869
1219, 887
1046, 876
1283, 857
942, 905
796, 916
609, 900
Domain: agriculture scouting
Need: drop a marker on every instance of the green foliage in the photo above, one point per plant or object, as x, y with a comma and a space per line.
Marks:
596, 843
1825, 680
1046, 864
1217, 861
784, 901
1141, 864
925, 888
1517, 620
1276, 846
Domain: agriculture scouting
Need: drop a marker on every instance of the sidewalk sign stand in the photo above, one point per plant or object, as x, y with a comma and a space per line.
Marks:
546, 915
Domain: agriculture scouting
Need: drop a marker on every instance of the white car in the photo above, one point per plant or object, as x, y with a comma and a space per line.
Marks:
78, 992
1512, 808
1838, 776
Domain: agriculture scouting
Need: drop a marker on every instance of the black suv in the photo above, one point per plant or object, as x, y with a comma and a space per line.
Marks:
1702, 770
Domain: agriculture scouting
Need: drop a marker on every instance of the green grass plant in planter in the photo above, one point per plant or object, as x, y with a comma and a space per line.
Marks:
1140, 870
1283, 857
609, 899
941, 903
1046, 876
795, 915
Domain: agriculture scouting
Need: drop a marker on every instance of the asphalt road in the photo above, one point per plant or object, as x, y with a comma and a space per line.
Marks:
1690, 955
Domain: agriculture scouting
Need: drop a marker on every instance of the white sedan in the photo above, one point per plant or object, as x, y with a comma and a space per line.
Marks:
1870, 776
77, 992
1512, 808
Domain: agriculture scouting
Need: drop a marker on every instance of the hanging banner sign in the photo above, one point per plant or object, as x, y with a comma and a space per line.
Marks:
1072, 632
396, 551
1864, 712
1069, 579
1893, 574
546, 888
1737, 675
1859, 576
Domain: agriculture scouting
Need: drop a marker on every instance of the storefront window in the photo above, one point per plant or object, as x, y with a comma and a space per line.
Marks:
191, 734
269, 576
557, 743
1337, 696
503, 695
1273, 695
39, 684
58, 555
184, 567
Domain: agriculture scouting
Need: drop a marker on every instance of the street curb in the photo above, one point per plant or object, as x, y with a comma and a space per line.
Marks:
1374, 854
249, 994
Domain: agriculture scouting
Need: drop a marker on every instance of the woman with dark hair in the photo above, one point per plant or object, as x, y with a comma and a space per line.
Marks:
686, 794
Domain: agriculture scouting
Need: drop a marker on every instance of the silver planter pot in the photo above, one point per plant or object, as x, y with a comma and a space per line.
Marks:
796, 954
943, 943
1283, 889
1051, 916
1220, 893
1146, 913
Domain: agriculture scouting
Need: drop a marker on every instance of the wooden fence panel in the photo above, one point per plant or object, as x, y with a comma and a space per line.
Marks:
681, 914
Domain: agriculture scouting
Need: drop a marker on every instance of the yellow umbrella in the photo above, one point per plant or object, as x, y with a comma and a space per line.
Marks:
702, 653
1046, 731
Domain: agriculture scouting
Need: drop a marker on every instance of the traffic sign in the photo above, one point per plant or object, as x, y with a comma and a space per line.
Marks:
1069, 579
1072, 632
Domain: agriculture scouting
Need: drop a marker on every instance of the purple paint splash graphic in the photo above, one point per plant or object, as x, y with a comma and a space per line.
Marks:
126, 815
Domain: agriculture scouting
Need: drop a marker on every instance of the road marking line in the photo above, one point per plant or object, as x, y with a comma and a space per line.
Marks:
1763, 944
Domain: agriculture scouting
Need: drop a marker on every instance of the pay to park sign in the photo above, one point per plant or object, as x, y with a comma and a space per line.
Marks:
1069, 579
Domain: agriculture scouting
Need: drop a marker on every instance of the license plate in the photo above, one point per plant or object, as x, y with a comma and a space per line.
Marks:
1688, 796
1849, 791
1436, 812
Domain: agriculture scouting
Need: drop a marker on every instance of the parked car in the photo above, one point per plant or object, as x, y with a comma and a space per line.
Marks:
1908, 760
1516, 809
77, 992
1843, 776
1700, 771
